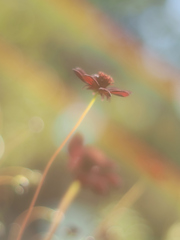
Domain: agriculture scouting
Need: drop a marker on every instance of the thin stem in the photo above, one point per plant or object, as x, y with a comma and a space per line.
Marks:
49, 165
69, 196
38, 212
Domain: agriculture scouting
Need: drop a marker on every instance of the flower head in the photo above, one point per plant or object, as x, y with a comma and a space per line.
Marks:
91, 167
99, 83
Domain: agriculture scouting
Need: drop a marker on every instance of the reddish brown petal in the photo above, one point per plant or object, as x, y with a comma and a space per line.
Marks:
79, 73
91, 81
119, 92
87, 179
102, 185
114, 179
73, 163
75, 145
97, 157
80, 70
104, 92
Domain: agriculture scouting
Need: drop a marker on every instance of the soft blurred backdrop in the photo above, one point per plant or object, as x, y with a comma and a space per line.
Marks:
137, 43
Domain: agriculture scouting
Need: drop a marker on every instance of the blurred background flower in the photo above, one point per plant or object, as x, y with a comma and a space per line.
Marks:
135, 42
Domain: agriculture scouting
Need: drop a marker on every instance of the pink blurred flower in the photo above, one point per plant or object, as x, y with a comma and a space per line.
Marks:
91, 167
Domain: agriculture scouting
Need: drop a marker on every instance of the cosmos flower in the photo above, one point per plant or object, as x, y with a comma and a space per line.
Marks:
91, 167
99, 83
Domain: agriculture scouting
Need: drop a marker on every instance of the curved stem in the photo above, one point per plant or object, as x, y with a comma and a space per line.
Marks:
49, 165
69, 196
38, 212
